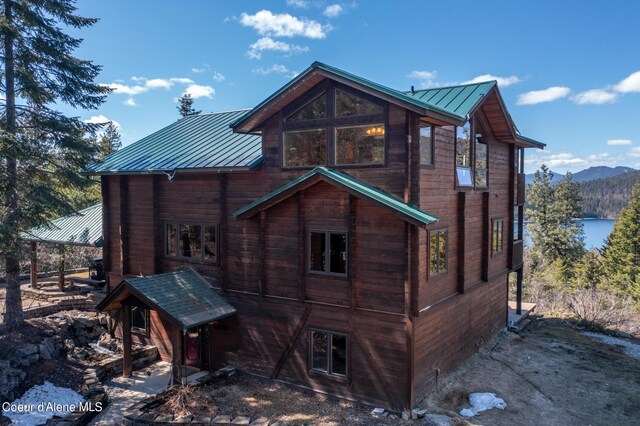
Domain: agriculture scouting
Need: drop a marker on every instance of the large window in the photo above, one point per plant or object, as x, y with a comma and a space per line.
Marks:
328, 352
360, 144
426, 145
472, 155
437, 252
497, 230
327, 252
139, 320
193, 241
334, 127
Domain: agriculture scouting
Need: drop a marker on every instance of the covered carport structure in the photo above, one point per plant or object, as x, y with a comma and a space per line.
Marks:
83, 228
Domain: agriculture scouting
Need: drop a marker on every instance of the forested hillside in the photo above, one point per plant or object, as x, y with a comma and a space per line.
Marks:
604, 198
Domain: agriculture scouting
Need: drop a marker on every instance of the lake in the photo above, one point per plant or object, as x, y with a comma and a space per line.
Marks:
595, 232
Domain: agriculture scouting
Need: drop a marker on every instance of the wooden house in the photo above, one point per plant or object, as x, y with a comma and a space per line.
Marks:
341, 236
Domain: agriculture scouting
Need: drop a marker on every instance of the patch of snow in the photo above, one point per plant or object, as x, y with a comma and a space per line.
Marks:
630, 348
41, 403
99, 349
482, 401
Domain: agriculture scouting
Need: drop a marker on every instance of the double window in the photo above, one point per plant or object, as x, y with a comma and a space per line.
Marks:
497, 230
472, 155
335, 127
193, 241
328, 352
327, 252
438, 252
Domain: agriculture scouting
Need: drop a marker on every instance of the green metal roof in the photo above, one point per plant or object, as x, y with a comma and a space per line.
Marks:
346, 182
82, 229
456, 100
201, 141
183, 296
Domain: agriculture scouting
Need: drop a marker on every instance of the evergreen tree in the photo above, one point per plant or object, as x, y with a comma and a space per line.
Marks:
186, 106
551, 209
110, 140
622, 249
41, 150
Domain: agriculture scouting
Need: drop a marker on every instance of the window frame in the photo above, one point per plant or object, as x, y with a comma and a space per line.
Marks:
331, 123
329, 372
431, 165
439, 272
475, 126
497, 246
335, 145
201, 259
327, 252
136, 330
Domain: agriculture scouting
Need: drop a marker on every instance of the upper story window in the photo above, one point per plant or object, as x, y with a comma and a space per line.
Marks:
334, 127
191, 241
497, 229
472, 155
426, 144
438, 252
327, 252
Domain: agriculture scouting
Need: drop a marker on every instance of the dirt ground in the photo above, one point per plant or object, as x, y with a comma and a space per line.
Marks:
550, 374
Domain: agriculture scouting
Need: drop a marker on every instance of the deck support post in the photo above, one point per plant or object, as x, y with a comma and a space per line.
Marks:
34, 263
127, 364
519, 291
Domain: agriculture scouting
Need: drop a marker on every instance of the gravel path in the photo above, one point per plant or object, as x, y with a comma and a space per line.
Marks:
630, 348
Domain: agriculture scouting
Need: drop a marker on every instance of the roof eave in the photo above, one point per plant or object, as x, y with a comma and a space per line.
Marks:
526, 142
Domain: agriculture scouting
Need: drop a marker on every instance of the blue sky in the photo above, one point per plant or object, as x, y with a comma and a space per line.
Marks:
569, 71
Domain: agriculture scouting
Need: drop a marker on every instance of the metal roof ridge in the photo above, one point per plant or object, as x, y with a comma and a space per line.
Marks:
451, 86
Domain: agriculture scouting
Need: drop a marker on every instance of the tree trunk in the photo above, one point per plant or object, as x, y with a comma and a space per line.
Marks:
13, 315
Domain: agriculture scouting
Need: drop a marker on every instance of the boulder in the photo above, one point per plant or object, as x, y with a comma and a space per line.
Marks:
27, 349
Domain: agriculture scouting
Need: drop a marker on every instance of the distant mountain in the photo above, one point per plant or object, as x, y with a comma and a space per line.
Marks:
604, 198
599, 172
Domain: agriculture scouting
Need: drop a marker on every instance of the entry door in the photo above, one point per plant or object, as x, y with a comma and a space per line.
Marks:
192, 348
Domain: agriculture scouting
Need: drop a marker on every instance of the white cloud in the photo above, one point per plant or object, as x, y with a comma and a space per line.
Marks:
267, 43
277, 69
130, 102
302, 4
101, 119
155, 83
502, 81
283, 25
333, 11
566, 161
634, 152
126, 90
594, 96
197, 91
426, 77
629, 84
218, 76
181, 80
539, 96
619, 142
199, 70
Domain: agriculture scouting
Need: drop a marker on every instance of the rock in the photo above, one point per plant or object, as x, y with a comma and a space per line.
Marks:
260, 421
422, 413
241, 420
28, 349
221, 420
44, 351
406, 415
438, 420
85, 322
379, 412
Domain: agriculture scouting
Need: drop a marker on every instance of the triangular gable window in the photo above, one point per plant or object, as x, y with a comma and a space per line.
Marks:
348, 105
314, 110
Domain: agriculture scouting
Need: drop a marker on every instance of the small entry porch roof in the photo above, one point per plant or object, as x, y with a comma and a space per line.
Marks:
183, 297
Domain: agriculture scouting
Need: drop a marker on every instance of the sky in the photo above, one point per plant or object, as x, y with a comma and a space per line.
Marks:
569, 71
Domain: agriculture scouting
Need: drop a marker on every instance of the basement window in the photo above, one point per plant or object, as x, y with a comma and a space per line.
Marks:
328, 353
327, 252
139, 320
438, 252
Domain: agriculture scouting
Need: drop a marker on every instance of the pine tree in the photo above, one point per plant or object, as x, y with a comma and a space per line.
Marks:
551, 210
41, 150
186, 106
110, 140
622, 249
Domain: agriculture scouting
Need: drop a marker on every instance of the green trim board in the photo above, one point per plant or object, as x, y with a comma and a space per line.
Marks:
83, 228
345, 182
184, 297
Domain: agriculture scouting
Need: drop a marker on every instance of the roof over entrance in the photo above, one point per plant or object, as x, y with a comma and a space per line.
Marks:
348, 184
81, 229
202, 141
183, 297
